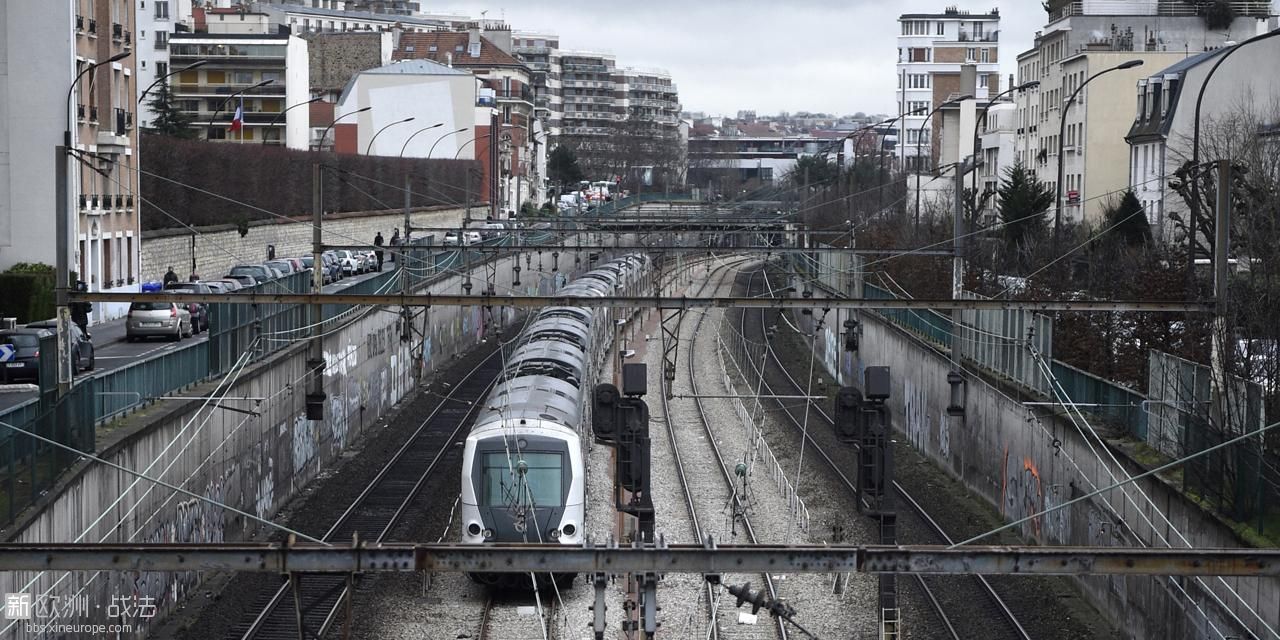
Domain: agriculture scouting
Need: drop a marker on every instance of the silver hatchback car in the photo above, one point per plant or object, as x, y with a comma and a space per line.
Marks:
158, 318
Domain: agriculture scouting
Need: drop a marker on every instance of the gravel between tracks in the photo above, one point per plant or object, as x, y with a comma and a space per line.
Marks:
1049, 608
224, 598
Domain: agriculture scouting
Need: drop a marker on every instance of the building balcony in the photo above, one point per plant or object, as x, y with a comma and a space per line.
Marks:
112, 143
91, 26
275, 89
79, 24
80, 111
588, 84
992, 36
534, 51
584, 68
93, 115
117, 31
1170, 8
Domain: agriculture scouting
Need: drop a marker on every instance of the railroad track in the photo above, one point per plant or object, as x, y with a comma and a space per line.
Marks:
501, 619
725, 473
317, 601
969, 625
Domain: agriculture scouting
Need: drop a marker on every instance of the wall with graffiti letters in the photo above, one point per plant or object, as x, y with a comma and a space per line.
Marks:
1024, 461
255, 449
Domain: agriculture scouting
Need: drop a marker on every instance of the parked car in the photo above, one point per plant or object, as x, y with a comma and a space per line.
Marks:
298, 264
25, 366
369, 260
216, 286
492, 230
82, 351
157, 318
245, 281
471, 237
229, 285
333, 265
285, 267
259, 273
452, 239
199, 311
351, 264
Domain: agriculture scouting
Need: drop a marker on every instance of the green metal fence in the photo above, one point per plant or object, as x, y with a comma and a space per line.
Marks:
927, 325
1118, 406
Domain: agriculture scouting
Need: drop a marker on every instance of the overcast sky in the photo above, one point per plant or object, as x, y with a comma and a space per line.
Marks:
834, 56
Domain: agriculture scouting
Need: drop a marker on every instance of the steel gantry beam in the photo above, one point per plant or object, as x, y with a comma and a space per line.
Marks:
523, 558
693, 248
648, 302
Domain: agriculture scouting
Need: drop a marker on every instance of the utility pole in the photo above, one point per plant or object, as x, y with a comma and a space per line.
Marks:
315, 355
1220, 348
402, 263
62, 228
957, 259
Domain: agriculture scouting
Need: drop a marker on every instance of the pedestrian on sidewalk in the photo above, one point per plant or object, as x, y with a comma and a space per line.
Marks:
80, 310
377, 242
170, 276
395, 242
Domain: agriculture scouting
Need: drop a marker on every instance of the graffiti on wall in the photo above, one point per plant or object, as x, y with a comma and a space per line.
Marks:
304, 442
1024, 495
915, 414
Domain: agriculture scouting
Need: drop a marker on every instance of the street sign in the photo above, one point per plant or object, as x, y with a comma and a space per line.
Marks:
7, 352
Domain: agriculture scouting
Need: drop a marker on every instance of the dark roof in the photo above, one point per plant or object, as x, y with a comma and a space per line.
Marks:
994, 15
446, 43
1154, 128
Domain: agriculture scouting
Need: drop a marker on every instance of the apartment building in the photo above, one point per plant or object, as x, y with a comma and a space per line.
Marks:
320, 17
251, 60
932, 48
588, 92
1240, 105
506, 87
157, 20
1081, 40
541, 53
996, 146
99, 120
648, 95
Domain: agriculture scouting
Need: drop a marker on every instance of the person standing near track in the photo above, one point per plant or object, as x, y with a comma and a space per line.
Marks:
377, 242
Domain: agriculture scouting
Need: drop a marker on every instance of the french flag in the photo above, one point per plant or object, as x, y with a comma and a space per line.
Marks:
237, 122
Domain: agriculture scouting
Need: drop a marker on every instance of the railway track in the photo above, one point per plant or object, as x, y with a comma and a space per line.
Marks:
502, 619
967, 624
317, 601
719, 462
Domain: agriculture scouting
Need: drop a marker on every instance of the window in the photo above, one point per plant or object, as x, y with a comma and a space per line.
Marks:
162, 69
217, 133
271, 75
162, 39
162, 9
918, 106
918, 81
983, 79
941, 27
541, 486
985, 55
970, 54
241, 77
919, 54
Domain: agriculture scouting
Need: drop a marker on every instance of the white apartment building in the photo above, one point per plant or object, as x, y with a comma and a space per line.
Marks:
997, 150
98, 117
1081, 40
242, 50
157, 20
1162, 130
541, 53
931, 49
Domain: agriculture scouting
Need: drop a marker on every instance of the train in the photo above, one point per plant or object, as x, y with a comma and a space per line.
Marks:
523, 471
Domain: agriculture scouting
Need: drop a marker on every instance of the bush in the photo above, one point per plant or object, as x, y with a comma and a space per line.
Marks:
27, 292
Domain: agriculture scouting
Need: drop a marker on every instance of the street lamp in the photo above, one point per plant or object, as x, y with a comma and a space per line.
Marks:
1062, 130
233, 97
415, 134
369, 149
325, 134
193, 65
442, 137
920, 136
281, 114
66, 134
982, 121
1195, 150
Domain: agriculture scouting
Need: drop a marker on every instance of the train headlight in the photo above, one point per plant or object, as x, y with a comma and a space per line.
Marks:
473, 529
568, 530
488, 533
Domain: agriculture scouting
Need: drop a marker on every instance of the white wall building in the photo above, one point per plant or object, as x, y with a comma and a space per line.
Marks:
157, 20
1161, 132
932, 47
1080, 40
997, 148
407, 89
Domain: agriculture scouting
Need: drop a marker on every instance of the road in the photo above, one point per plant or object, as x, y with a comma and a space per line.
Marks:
114, 352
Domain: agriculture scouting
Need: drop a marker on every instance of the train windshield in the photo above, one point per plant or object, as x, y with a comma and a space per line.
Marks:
540, 486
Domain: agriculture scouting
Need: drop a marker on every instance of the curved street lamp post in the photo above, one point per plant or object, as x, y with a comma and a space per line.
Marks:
1062, 130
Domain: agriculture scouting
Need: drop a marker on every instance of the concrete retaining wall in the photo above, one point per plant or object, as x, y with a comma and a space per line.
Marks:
1004, 455
218, 249
252, 463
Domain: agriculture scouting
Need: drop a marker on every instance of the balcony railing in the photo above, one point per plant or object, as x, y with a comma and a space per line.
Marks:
80, 113
1166, 8
128, 37
124, 122
990, 36
79, 24
93, 27
273, 89
93, 115
117, 31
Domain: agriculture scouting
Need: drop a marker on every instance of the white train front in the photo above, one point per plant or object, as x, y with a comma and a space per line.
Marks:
523, 476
